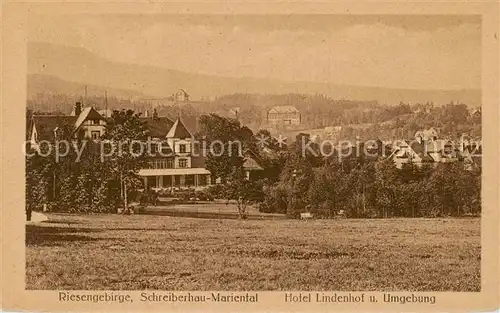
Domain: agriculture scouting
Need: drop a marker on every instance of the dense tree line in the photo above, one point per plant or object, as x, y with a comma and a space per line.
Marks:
293, 181
383, 121
452, 120
358, 118
64, 103
377, 189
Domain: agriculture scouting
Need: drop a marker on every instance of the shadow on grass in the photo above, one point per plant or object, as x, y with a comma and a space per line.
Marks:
50, 236
208, 215
62, 221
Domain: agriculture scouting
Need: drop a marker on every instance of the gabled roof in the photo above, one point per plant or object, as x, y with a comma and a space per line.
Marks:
178, 130
473, 149
251, 160
88, 113
251, 164
284, 109
412, 149
158, 127
46, 124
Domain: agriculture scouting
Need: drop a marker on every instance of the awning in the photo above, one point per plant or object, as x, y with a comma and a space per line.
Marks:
172, 171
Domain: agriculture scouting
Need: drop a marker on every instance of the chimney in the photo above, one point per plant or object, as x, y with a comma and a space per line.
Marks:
78, 108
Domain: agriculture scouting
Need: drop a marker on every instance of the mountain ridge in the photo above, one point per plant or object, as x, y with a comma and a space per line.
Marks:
80, 66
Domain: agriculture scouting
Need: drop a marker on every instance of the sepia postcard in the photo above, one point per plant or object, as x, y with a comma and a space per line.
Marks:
250, 156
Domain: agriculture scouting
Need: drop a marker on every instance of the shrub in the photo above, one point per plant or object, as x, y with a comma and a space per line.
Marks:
217, 191
275, 200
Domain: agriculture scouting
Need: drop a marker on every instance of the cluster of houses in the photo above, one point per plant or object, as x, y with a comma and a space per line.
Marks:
184, 167
428, 148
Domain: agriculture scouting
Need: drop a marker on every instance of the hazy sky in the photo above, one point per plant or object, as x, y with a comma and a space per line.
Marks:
430, 52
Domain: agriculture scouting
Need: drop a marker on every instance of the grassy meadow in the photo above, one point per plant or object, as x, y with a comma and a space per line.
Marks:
180, 253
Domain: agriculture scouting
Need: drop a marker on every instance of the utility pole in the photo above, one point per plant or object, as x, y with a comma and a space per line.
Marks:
106, 103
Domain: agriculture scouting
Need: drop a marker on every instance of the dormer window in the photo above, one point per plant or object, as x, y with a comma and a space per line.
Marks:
95, 135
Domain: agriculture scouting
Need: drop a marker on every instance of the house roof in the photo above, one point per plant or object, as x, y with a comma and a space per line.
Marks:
472, 149
46, 124
426, 133
421, 150
178, 130
88, 113
437, 145
412, 148
251, 164
158, 127
284, 109
418, 148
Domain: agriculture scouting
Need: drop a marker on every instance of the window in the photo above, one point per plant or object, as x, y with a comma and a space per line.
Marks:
182, 148
158, 164
95, 135
163, 163
182, 163
95, 122
164, 148
170, 163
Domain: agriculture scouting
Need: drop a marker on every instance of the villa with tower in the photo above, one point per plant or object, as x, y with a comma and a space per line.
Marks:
174, 162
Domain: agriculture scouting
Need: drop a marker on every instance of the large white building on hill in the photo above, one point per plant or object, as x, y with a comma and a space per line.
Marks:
283, 115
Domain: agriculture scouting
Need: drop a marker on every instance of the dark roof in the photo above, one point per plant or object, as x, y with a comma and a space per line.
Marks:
158, 127
473, 149
179, 130
94, 115
45, 124
418, 148
89, 113
197, 161
427, 158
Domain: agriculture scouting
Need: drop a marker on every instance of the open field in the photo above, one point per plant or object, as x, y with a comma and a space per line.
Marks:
176, 253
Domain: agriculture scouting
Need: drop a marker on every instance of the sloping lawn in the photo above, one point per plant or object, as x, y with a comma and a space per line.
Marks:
177, 253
